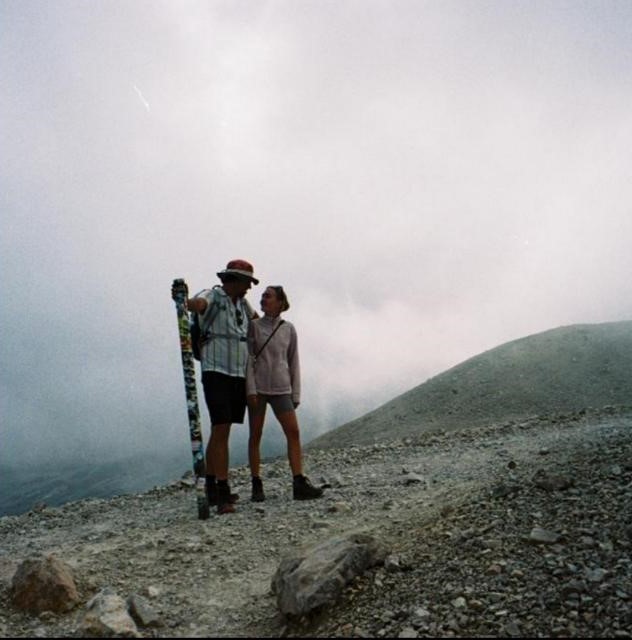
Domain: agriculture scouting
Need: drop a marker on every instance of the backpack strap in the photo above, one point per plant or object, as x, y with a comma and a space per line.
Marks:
206, 335
204, 331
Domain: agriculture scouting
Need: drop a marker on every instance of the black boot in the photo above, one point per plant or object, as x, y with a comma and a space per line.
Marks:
303, 489
211, 492
257, 490
224, 504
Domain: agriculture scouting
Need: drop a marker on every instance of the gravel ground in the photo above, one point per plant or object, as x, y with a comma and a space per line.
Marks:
544, 549
516, 529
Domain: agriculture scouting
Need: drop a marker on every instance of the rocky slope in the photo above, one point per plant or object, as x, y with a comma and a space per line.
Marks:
563, 369
517, 528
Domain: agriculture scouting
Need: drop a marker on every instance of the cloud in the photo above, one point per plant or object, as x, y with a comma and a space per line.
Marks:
427, 180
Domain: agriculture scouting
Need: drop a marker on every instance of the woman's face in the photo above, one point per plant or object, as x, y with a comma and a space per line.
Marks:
270, 304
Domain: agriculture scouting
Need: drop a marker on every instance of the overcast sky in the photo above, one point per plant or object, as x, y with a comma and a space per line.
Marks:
428, 180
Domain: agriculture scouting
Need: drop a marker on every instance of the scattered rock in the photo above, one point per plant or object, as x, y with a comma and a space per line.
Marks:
392, 563
453, 540
552, 482
142, 612
413, 478
543, 536
107, 616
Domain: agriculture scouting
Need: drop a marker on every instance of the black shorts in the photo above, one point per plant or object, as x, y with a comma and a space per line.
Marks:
225, 397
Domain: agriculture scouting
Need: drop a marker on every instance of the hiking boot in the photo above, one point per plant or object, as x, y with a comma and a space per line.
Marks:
224, 504
303, 489
257, 490
225, 508
211, 495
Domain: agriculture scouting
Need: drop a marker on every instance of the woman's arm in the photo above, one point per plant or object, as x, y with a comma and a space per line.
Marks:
295, 369
251, 382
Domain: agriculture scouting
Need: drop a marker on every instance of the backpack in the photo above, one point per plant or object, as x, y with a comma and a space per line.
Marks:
196, 329
198, 338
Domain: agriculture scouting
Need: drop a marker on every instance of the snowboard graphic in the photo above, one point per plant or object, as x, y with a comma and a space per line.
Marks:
179, 292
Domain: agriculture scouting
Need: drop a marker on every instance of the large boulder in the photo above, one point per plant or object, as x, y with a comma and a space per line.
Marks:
44, 583
317, 575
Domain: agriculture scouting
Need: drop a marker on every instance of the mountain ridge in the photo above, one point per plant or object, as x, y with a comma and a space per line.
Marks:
567, 368
454, 399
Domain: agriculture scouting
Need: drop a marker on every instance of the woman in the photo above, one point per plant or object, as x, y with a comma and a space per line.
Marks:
273, 377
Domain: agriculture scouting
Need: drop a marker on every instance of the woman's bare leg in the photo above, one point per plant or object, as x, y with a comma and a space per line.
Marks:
289, 423
255, 422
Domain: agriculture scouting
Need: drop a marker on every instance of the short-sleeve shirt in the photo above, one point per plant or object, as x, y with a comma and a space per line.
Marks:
225, 349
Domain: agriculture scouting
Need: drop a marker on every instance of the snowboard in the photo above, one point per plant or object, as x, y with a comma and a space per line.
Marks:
179, 293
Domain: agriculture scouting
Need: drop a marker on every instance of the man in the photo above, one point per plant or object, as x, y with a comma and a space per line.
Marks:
224, 318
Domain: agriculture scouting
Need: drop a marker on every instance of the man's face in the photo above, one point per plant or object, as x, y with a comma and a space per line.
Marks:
242, 287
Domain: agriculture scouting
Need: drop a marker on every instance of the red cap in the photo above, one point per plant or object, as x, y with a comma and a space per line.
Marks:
239, 267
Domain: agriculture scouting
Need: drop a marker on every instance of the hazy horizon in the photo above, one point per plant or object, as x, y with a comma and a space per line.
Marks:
428, 180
